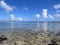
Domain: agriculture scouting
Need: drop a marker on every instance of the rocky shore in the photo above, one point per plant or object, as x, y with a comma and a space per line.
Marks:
29, 38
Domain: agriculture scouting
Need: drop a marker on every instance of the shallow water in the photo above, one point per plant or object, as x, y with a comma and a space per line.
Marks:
5, 25
26, 37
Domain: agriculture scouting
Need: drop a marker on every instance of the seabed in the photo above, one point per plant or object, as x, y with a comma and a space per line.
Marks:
29, 36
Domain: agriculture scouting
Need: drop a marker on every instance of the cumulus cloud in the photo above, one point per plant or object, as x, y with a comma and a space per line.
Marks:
13, 18
45, 13
57, 6
57, 15
4, 5
50, 16
20, 19
58, 11
37, 15
26, 8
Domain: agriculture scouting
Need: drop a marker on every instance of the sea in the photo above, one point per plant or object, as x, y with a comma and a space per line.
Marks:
29, 25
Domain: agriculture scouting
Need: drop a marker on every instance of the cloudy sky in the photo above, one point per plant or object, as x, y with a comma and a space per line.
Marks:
30, 10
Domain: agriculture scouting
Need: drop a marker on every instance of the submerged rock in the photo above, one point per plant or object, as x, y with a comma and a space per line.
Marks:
2, 38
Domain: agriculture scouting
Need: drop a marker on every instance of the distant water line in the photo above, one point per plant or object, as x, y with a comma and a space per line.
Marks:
29, 25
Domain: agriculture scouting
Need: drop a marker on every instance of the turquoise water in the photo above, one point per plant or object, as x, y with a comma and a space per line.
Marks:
5, 25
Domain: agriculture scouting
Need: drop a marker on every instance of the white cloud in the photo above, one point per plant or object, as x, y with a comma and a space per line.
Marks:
20, 19
37, 15
26, 8
4, 5
57, 6
58, 11
45, 13
13, 18
50, 16
57, 15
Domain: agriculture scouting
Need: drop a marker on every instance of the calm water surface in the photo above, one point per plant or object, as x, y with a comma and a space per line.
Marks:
5, 25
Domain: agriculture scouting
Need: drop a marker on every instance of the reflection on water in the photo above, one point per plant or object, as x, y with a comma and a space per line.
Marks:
29, 36
12, 26
45, 26
30, 25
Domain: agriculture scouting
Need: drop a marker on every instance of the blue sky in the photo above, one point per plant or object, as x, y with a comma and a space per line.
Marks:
30, 10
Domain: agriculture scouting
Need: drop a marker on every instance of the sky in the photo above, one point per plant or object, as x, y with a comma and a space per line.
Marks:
30, 10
